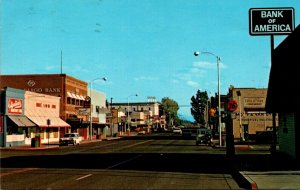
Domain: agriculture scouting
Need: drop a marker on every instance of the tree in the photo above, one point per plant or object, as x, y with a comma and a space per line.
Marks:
199, 103
170, 108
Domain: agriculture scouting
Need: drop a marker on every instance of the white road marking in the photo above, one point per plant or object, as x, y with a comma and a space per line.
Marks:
124, 162
83, 177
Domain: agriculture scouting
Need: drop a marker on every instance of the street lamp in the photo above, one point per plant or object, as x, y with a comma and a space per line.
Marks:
128, 109
91, 126
197, 53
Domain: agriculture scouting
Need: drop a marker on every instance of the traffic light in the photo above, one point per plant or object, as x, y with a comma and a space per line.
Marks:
212, 112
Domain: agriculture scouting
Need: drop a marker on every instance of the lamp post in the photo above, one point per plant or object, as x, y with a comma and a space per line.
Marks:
128, 109
91, 126
238, 93
196, 53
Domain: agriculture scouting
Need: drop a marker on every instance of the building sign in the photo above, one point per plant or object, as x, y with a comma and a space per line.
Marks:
15, 106
276, 21
33, 88
255, 102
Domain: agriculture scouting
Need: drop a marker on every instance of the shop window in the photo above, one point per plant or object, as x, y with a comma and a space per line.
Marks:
73, 101
77, 102
68, 100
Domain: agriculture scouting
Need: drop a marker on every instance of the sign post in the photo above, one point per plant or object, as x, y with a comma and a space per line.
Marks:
48, 124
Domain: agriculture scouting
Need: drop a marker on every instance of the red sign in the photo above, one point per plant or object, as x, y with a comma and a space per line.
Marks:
15, 106
232, 105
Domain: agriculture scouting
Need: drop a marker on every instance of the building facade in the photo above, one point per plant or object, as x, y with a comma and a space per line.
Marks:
72, 93
250, 117
140, 114
25, 115
283, 93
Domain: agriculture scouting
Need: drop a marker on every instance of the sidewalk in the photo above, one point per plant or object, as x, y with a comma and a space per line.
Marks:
272, 179
53, 145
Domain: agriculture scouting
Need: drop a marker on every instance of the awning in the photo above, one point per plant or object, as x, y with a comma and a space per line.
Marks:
21, 121
41, 121
81, 97
71, 95
76, 96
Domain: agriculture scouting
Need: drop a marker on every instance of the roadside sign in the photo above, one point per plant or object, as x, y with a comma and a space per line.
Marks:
232, 106
271, 21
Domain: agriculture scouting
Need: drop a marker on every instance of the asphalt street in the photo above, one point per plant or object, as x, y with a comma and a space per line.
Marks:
146, 163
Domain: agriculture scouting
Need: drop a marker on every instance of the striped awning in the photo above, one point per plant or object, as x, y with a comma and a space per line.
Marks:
41, 121
21, 121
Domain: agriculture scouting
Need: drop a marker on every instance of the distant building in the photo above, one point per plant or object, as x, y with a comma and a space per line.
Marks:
140, 114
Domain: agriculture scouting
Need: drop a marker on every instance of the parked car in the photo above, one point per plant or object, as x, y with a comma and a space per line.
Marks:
70, 138
142, 132
203, 136
177, 130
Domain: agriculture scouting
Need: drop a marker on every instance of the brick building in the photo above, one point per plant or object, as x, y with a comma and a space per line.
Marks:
72, 93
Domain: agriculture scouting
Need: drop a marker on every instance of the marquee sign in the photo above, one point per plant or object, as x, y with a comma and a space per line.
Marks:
268, 21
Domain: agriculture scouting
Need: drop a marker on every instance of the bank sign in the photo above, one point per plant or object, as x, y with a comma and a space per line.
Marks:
271, 21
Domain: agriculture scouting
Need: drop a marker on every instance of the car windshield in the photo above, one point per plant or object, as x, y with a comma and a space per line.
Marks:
69, 135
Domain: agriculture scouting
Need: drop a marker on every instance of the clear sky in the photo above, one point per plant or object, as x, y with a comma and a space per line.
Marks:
140, 46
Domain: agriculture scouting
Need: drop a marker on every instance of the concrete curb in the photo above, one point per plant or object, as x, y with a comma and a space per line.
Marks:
244, 181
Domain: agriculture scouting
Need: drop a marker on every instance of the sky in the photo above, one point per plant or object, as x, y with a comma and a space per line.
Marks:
143, 47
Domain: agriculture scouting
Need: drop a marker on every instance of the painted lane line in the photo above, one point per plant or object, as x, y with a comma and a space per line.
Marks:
17, 171
88, 175
143, 142
110, 167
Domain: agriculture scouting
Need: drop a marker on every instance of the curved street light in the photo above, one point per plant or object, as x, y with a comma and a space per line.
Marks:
91, 82
197, 53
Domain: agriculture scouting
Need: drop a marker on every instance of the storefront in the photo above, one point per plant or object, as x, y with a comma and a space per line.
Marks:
43, 110
25, 115
15, 125
283, 97
72, 93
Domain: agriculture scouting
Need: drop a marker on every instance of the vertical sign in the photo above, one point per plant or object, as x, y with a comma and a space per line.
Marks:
271, 21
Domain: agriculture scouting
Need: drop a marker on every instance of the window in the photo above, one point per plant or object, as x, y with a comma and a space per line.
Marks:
68, 100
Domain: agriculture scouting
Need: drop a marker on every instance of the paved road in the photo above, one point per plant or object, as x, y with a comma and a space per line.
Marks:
121, 164
148, 163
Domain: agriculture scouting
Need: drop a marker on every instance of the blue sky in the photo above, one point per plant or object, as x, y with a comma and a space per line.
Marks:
140, 46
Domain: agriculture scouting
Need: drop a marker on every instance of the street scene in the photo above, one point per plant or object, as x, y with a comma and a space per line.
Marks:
126, 94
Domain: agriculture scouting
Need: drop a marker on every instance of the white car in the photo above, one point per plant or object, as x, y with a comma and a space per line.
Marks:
70, 138
177, 130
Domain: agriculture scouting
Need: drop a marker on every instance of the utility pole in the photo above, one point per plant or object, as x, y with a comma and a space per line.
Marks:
111, 119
